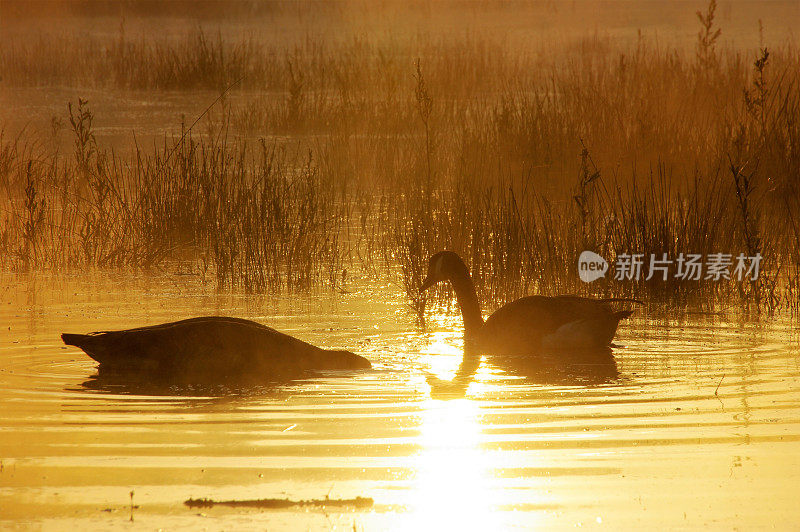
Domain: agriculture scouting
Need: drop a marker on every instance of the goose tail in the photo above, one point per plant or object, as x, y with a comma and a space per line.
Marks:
78, 340
88, 343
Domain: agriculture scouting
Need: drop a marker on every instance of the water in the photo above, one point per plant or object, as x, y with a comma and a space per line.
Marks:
698, 425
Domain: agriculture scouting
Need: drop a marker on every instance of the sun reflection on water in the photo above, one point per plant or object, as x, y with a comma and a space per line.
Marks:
452, 487
444, 353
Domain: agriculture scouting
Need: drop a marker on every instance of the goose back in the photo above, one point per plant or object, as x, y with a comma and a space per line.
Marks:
560, 322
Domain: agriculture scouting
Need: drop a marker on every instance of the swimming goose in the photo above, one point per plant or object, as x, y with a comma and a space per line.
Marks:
529, 324
210, 348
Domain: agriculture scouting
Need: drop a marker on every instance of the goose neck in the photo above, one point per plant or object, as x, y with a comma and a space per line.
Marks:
468, 301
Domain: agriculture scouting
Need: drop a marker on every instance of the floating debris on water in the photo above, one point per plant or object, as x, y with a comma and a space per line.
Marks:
358, 502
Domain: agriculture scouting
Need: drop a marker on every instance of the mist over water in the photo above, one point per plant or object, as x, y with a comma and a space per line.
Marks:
297, 163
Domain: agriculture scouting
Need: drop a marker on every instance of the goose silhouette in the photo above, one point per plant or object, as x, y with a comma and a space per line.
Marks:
212, 348
530, 324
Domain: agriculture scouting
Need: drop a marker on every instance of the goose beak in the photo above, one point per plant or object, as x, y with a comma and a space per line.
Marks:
427, 283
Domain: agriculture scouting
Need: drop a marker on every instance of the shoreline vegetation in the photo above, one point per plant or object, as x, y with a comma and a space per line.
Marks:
364, 153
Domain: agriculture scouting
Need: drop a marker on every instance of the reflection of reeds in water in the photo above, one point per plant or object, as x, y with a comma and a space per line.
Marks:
517, 158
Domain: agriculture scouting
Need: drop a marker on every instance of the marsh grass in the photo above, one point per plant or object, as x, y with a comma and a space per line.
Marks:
257, 218
376, 152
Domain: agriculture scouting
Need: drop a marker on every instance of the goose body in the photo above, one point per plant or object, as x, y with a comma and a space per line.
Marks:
530, 324
551, 323
210, 348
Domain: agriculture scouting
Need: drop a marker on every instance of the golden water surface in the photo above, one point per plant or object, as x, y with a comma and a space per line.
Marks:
698, 426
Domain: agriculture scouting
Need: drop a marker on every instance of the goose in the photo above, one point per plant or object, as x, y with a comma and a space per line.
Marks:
210, 348
530, 324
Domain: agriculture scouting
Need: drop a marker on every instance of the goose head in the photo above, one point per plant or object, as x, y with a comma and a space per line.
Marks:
444, 266
340, 359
